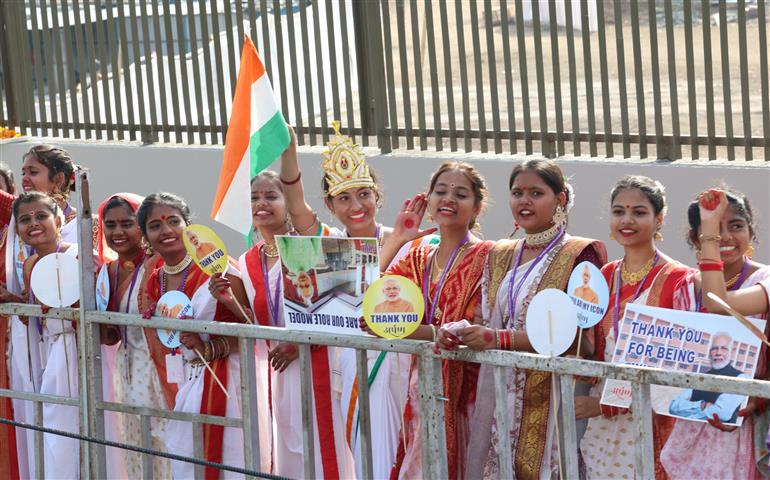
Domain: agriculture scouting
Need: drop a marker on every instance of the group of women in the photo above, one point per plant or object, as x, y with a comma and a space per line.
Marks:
476, 295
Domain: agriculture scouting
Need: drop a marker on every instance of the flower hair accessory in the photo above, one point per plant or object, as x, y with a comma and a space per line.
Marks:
570, 195
344, 164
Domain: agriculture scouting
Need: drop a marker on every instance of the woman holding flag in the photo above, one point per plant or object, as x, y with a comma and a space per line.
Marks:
162, 218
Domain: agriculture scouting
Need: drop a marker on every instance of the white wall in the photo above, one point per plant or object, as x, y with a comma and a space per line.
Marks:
193, 171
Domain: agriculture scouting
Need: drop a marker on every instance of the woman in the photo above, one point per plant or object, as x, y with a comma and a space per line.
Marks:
732, 453
262, 278
135, 379
748, 301
515, 272
39, 225
9, 462
450, 275
643, 276
162, 218
353, 196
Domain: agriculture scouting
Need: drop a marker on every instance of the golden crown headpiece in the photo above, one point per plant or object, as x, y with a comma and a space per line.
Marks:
344, 164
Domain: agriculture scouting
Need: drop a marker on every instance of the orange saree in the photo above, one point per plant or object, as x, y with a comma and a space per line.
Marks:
457, 300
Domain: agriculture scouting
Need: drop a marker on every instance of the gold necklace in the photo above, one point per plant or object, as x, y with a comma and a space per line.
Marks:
631, 278
270, 249
541, 238
434, 261
179, 267
730, 283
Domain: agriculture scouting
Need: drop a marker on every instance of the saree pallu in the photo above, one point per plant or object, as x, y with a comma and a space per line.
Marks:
529, 392
608, 444
200, 392
740, 454
458, 300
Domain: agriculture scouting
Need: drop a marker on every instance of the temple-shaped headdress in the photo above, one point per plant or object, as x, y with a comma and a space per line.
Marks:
344, 164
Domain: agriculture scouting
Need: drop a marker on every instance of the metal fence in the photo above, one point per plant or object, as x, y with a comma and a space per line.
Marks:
432, 428
653, 79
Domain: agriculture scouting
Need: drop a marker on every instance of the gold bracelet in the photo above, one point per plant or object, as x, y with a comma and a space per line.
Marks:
433, 330
305, 230
497, 339
710, 238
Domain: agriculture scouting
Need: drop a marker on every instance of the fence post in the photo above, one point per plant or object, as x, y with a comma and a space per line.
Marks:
432, 426
249, 413
89, 344
373, 99
13, 35
641, 407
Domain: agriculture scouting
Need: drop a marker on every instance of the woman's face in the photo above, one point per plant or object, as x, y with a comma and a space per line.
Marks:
355, 208
736, 236
533, 202
34, 176
164, 226
121, 231
193, 238
452, 203
4, 185
633, 220
268, 205
37, 225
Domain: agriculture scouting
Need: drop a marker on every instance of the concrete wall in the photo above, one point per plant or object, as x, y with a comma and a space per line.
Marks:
193, 171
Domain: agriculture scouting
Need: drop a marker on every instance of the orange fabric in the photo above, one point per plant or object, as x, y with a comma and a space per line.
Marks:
214, 401
458, 299
662, 282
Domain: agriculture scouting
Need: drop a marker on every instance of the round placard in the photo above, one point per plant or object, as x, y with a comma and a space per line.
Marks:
551, 322
590, 294
103, 288
393, 307
173, 304
56, 280
206, 248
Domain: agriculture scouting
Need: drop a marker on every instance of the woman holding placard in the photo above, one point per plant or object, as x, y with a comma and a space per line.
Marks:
162, 218
450, 276
644, 276
516, 271
39, 225
353, 195
736, 452
135, 378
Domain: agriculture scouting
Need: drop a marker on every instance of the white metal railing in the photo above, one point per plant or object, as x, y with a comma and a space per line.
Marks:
432, 429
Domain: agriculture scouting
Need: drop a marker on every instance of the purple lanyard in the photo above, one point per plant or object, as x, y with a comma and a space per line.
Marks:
181, 285
440, 284
513, 296
619, 285
272, 302
736, 285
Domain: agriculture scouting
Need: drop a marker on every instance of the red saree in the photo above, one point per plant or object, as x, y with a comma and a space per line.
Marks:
458, 299
213, 401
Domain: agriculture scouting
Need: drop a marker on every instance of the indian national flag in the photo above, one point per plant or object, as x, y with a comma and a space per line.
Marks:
257, 134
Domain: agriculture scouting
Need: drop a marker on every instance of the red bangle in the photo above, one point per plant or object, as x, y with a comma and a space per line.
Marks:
299, 176
505, 339
711, 267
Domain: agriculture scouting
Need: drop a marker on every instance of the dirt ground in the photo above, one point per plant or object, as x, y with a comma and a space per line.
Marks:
492, 56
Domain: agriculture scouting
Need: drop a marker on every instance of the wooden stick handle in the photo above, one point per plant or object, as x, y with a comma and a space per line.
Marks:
211, 370
240, 307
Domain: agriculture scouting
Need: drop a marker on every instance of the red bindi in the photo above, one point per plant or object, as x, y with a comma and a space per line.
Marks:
409, 223
163, 218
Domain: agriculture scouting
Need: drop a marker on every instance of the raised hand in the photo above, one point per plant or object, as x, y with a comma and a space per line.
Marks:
281, 356
713, 204
407, 226
219, 286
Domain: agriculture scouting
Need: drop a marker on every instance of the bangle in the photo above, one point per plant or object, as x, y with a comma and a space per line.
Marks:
497, 339
299, 176
711, 267
708, 260
709, 238
309, 227
433, 332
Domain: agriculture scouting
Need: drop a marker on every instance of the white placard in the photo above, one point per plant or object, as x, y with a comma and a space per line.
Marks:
551, 322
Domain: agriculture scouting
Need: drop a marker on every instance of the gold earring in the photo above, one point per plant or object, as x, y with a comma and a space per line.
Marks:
658, 236
559, 216
145, 245
749, 251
